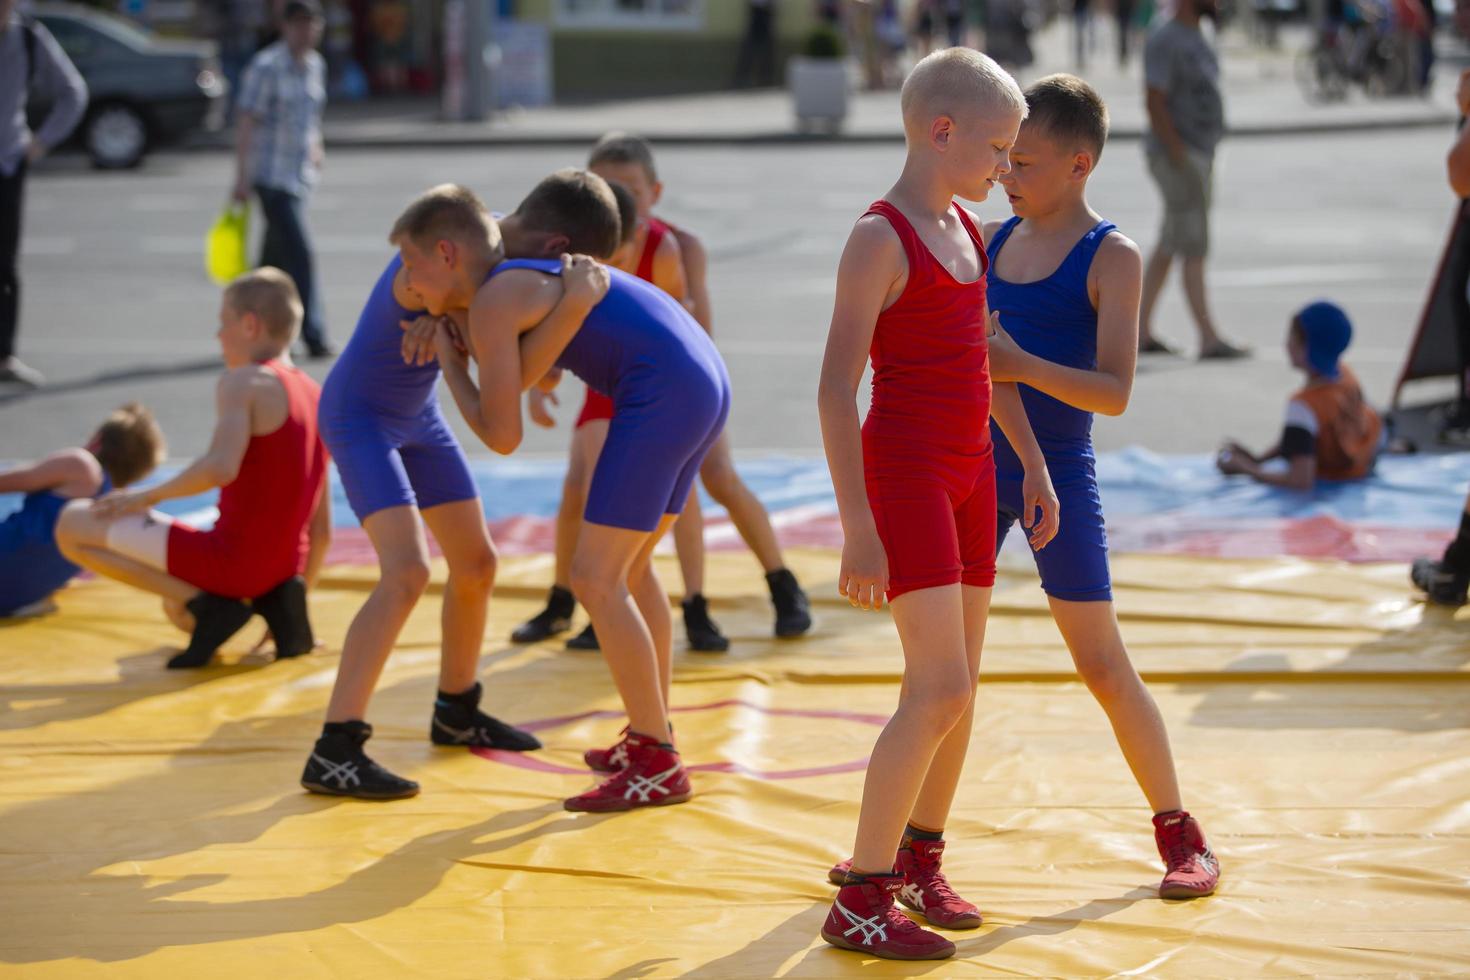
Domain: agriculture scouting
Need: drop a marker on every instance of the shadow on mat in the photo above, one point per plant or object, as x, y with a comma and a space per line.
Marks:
132, 375
1361, 695
195, 804
141, 676
765, 956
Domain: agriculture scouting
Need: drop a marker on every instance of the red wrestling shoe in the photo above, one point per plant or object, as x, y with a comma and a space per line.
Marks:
864, 919
610, 759
654, 777
838, 874
1192, 870
928, 892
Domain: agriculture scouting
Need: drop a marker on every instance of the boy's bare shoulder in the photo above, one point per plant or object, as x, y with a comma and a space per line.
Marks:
1117, 255
515, 286
875, 232
689, 243
246, 381
74, 464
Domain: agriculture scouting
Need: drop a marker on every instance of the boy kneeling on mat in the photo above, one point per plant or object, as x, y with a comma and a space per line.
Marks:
274, 518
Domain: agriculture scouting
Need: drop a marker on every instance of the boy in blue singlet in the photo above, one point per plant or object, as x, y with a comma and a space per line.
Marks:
1064, 291
402, 468
671, 396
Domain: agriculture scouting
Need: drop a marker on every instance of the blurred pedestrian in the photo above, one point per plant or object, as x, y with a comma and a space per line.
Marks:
756, 63
30, 60
1186, 123
1123, 11
279, 152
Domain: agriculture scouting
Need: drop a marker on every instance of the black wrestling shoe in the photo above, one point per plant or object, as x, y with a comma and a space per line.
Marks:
284, 611
793, 608
1442, 584
458, 720
554, 619
338, 766
585, 640
216, 619
704, 635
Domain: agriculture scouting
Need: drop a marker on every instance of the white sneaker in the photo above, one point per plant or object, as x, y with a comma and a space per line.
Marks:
16, 371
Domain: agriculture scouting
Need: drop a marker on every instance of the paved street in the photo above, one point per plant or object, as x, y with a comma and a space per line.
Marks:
116, 305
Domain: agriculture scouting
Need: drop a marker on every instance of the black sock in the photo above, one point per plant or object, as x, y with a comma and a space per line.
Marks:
465, 699
561, 603
912, 833
352, 729
1457, 555
853, 878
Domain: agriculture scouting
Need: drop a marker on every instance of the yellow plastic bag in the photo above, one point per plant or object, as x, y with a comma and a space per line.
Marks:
224, 245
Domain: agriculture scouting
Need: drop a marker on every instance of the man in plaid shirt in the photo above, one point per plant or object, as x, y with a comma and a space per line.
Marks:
278, 151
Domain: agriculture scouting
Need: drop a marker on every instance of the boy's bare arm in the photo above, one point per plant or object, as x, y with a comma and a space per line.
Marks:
872, 264
668, 270
507, 307
1459, 164
1036, 489
319, 536
696, 278
54, 472
235, 405
1116, 281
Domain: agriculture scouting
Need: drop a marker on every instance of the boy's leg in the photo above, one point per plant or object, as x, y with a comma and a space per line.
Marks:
1091, 632
605, 555
82, 538
746, 511
397, 536
653, 603
587, 442
936, 695
689, 545
793, 609
936, 795
460, 530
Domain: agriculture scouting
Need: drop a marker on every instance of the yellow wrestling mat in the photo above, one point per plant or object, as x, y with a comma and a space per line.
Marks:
151, 824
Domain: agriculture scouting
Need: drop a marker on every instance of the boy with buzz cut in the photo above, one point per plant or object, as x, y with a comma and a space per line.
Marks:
671, 396
265, 457
916, 488
673, 259
402, 468
1064, 291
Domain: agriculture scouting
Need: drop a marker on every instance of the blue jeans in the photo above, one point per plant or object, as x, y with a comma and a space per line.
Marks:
287, 247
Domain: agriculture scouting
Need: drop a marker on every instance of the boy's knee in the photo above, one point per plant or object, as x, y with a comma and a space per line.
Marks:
943, 705
1107, 679
475, 572
405, 581
76, 526
589, 585
719, 477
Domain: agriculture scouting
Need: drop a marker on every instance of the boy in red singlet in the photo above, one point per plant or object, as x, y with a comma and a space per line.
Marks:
673, 260
274, 510
916, 488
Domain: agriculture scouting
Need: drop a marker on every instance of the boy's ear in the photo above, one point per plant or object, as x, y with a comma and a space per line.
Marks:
940, 131
555, 244
447, 251
658, 191
1082, 164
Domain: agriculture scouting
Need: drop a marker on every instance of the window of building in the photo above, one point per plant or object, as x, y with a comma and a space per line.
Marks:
673, 15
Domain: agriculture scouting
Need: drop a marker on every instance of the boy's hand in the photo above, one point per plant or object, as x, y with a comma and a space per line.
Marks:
584, 279
449, 346
120, 503
863, 580
1005, 353
536, 402
1037, 493
419, 336
1234, 461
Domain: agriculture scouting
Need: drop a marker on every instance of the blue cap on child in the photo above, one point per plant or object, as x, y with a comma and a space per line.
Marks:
1327, 332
